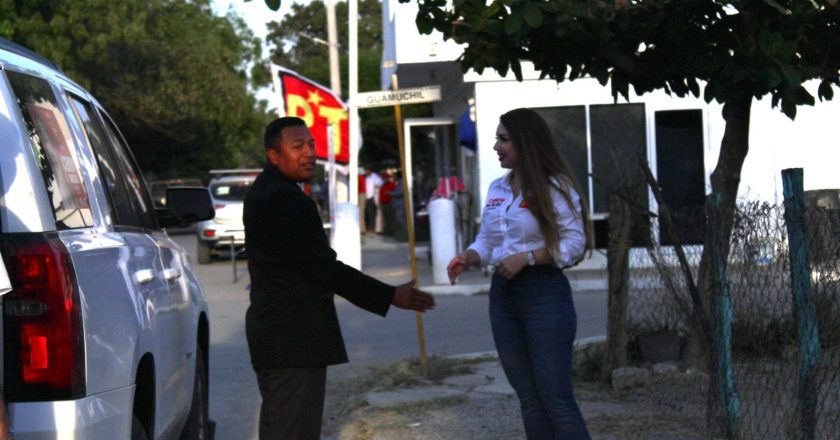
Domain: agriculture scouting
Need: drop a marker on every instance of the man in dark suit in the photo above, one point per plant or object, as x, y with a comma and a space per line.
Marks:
292, 327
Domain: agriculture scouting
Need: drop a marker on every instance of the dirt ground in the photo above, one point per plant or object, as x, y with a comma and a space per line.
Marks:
643, 413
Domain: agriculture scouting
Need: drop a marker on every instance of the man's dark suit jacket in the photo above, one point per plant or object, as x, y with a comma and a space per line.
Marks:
292, 322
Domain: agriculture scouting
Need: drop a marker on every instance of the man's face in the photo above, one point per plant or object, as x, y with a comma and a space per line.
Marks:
294, 155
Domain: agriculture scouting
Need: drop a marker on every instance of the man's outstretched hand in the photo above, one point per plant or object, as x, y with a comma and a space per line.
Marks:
409, 298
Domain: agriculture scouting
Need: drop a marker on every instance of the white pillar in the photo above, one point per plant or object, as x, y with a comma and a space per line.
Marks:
443, 237
345, 237
353, 248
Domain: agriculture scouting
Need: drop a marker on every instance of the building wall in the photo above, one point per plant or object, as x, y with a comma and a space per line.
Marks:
776, 141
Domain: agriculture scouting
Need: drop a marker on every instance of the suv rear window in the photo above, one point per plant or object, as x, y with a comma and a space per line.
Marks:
54, 151
234, 191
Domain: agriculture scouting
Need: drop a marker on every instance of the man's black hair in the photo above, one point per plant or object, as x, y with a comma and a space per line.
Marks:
274, 129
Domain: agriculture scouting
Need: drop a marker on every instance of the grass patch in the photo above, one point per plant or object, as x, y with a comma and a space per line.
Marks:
406, 373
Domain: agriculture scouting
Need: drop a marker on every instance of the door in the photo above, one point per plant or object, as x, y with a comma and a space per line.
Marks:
440, 167
155, 275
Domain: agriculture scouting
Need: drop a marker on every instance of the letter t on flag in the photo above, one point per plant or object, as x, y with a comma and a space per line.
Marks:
318, 106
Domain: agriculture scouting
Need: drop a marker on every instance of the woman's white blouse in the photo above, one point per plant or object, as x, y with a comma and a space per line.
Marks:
508, 227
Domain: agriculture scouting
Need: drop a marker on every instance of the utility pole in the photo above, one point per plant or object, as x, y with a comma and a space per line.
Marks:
332, 36
353, 89
346, 237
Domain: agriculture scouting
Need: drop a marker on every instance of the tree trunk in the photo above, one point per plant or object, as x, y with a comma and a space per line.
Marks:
725, 180
618, 268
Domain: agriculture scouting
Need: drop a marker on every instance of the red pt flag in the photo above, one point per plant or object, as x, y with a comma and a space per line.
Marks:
319, 107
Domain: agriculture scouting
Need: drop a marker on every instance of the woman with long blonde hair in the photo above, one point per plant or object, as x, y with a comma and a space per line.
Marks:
534, 225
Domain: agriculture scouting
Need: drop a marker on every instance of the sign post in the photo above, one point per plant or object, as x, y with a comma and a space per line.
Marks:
395, 98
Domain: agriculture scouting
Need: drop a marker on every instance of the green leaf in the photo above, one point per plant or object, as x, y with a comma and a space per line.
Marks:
492, 10
513, 23
825, 92
425, 24
694, 86
709, 92
789, 108
517, 69
581, 9
532, 14
774, 77
790, 74
272, 4
779, 8
803, 97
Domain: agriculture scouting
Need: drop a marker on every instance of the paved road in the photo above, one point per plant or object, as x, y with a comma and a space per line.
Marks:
459, 325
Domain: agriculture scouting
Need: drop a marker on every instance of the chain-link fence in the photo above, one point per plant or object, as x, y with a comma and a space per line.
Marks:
784, 375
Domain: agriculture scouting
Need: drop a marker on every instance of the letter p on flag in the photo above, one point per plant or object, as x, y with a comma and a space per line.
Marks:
319, 107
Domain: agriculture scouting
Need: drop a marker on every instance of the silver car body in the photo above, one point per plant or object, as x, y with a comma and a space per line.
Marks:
139, 300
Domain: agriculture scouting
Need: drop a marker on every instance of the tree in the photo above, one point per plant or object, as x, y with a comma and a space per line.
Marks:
299, 43
730, 51
171, 74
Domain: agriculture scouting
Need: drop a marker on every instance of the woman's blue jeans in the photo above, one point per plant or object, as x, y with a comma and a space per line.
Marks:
534, 324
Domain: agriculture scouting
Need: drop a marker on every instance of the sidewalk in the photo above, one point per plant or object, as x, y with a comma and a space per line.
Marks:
388, 260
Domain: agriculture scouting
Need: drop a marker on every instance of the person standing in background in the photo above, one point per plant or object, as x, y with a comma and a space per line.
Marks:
362, 193
372, 184
385, 203
534, 225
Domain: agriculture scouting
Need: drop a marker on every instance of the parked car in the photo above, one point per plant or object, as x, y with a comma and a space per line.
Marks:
105, 331
216, 235
159, 187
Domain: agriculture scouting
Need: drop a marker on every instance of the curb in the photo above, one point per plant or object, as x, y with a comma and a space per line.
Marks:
578, 286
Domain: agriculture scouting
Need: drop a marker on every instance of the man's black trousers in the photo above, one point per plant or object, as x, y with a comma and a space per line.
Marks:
292, 403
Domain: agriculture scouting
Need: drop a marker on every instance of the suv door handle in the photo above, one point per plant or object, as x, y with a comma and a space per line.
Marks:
171, 274
144, 276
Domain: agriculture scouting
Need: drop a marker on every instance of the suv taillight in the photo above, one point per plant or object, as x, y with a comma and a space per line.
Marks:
42, 323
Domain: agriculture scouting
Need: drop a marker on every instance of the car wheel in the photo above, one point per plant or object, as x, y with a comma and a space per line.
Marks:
204, 256
198, 422
138, 432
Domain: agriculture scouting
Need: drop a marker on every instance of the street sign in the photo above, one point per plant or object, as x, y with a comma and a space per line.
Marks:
387, 98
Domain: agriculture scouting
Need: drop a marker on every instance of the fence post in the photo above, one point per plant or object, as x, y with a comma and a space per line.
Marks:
805, 311
618, 269
724, 371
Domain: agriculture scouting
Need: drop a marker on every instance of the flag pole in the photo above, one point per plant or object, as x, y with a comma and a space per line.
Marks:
409, 222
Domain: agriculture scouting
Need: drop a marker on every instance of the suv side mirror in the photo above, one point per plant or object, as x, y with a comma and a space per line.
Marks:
186, 205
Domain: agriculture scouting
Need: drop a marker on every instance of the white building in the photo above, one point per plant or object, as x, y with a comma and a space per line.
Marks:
679, 136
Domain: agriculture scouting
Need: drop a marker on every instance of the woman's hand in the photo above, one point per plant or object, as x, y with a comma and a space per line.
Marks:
511, 265
461, 262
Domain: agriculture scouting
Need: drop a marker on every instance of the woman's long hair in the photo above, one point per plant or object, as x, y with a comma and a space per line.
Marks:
541, 166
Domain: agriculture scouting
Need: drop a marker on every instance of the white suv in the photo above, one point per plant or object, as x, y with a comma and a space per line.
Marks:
105, 333
225, 232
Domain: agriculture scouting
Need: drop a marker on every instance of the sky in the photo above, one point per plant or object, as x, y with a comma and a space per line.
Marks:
256, 14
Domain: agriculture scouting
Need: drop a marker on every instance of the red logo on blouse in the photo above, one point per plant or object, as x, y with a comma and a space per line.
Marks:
524, 204
492, 203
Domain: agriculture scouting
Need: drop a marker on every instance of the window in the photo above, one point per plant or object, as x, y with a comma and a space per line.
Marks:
136, 192
115, 186
618, 141
231, 190
607, 140
568, 125
54, 151
609, 148
681, 173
